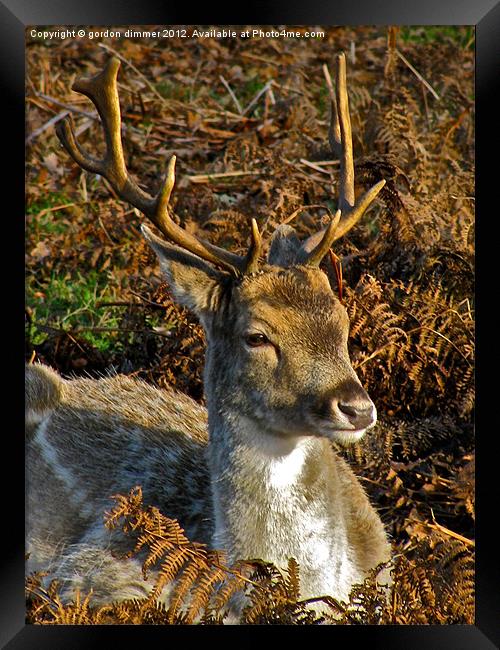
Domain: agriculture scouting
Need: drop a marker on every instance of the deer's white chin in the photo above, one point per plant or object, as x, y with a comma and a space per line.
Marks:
346, 436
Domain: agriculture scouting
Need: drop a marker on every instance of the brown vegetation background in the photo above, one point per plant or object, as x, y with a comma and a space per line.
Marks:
248, 121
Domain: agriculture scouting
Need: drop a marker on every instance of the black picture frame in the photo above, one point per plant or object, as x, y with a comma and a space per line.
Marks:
15, 16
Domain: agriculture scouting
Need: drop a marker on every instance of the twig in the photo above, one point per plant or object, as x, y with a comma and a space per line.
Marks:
83, 181
369, 480
109, 188
430, 329
352, 52
149, 302
309, 177
110, 239
257, 97
194, 79
284, 87
328, 80
79, 329
219, 111
451, 533
124, 303
231, 93
54, 209
205, 178
68, 107
323, 163
90, 116
254, 57
117, 303
49, 329
417, 74
46, 126
305, 207
314, 166
86, 124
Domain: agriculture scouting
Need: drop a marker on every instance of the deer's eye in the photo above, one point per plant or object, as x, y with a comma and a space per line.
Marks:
256, 340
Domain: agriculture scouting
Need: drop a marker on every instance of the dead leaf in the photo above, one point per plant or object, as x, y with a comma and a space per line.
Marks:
52, 163
95, 256
41, 251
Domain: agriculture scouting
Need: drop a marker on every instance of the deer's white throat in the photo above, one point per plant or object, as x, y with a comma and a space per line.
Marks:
263, 513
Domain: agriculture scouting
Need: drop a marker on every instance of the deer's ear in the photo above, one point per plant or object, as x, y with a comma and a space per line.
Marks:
284, 247
196, 284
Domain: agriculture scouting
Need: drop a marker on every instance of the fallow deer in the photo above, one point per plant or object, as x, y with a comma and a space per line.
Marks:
253, 474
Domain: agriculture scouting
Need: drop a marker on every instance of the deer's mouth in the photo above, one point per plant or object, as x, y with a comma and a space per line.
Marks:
342, 434
346, 436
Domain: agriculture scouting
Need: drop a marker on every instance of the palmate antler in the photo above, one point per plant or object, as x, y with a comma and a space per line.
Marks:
102, 90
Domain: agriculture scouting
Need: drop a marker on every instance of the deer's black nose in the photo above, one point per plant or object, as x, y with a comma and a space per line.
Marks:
359, 413
352, 407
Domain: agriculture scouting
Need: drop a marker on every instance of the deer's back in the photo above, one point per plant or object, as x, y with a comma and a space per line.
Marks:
96, 438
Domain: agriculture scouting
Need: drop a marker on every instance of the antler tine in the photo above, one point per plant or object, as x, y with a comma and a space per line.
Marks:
103, 92
342, 134
334, 136
340, 137
161, 218
343, 118
252, 258
329, 236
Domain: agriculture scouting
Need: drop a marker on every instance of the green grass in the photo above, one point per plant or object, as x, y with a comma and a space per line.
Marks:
323, 101
69, 302
244, 93
461, 34
48, 223
248, 90
173, 90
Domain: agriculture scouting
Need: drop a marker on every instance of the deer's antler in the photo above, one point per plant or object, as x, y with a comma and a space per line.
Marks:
340, 136
102, 91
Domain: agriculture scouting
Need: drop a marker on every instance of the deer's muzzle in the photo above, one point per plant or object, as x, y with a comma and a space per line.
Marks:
350, 408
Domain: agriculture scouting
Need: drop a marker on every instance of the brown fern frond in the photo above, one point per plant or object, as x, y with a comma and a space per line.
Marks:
174, 561
464, 486
182, 587
433, 584
292, 579
206, 584
276, 601
194, 572
48, 609
367, 601
236, 581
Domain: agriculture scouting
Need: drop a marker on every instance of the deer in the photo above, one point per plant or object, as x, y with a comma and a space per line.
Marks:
255, 473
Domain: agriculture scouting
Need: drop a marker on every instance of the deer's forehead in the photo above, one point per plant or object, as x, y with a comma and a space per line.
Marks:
291, 299
298, 285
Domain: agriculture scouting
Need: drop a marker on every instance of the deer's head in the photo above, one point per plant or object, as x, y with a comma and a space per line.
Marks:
277, 333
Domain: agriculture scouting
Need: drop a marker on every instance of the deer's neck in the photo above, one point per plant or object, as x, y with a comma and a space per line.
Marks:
279, 497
